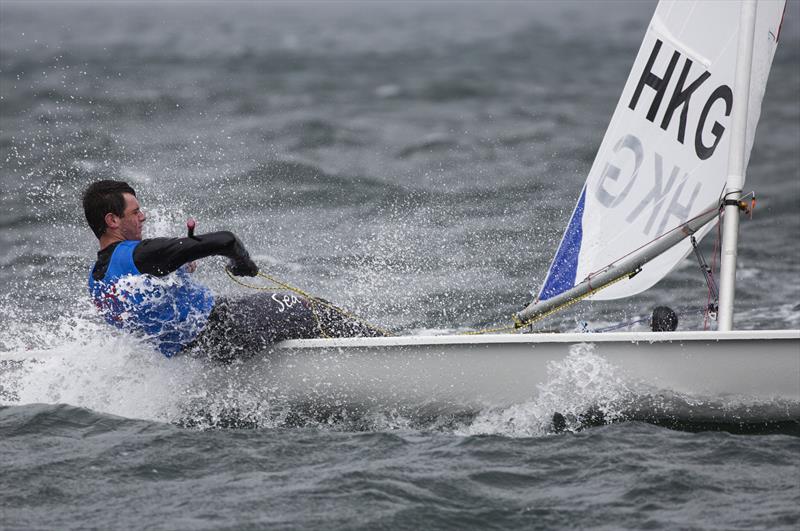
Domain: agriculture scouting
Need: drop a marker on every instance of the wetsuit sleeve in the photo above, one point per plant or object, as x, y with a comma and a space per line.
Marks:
161, 256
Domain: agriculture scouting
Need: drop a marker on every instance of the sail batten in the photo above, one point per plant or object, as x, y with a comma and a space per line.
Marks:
664, 157
658, 27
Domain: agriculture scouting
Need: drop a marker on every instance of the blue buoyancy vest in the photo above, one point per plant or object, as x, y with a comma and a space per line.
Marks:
170, 310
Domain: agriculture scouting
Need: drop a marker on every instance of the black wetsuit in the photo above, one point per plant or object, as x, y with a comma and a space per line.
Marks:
237, 326
162, 256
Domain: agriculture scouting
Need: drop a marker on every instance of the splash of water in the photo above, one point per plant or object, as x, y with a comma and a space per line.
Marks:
582, 384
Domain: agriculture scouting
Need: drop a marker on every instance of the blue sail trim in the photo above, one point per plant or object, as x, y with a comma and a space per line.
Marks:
564, 268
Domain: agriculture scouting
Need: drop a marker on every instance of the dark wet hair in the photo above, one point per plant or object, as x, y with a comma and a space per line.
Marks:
664, 319
102, 197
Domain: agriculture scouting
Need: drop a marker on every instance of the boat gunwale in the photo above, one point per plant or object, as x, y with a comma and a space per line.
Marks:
539, 338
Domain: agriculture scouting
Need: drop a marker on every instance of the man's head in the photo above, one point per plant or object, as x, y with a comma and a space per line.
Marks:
111, 208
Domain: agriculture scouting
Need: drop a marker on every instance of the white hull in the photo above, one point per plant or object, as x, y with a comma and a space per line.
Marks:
742, 377
501, 370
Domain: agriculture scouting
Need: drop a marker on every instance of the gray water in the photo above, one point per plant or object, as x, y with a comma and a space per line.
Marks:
415, 163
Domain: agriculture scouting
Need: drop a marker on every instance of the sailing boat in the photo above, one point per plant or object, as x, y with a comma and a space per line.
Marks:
674, 154
672, 160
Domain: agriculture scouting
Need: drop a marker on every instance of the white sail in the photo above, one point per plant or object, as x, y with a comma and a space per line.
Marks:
664, 157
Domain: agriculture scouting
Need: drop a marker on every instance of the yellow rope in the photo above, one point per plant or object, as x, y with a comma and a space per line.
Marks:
572, 301
520, 324
488, 331
513, 328
312, 299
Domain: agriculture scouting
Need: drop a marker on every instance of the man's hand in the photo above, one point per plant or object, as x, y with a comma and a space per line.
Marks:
243, 267
191, 267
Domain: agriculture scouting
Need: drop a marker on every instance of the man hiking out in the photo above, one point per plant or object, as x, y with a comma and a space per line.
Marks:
145, 287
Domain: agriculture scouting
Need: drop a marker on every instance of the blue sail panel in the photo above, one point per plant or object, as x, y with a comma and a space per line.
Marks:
563, 270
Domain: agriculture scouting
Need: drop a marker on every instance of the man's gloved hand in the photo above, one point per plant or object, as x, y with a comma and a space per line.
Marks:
240, 264
242, 267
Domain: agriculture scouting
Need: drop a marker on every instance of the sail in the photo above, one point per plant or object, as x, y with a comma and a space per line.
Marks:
664, 157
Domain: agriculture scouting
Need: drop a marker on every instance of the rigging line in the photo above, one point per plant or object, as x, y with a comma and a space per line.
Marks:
511, 328
618, 326
261, 288
715, 252
707, 273
710, 312
686, 310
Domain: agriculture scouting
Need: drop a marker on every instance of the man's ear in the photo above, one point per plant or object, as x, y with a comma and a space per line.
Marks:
112, 221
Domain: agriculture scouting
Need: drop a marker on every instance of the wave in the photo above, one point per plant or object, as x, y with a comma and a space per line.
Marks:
286, 182
61, 420
431, 145
317, 133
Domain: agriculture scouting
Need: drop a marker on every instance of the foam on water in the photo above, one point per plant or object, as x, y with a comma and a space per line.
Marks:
84, 362
580, 383
100, 369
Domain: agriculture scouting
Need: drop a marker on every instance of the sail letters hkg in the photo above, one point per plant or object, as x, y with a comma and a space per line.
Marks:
681, 97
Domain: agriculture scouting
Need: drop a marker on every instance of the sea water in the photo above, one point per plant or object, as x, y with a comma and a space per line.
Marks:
415, 163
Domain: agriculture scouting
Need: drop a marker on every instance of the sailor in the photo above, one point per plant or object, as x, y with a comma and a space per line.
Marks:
664, 319
145, 287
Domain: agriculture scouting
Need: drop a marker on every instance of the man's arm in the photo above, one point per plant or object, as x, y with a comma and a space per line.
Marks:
161, 256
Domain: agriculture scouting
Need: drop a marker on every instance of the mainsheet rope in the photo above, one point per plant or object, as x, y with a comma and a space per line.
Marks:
516, 325
318, 301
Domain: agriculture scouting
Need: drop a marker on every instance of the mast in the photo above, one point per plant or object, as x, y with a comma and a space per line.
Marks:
736, 165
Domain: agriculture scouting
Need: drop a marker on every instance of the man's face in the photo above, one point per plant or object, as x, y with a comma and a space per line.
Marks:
130, 224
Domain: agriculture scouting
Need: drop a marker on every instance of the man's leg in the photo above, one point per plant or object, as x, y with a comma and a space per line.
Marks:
244, 326
333, 323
